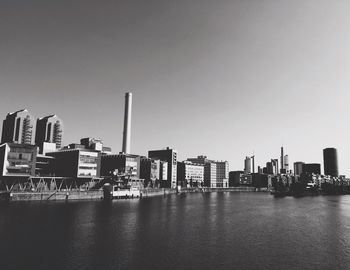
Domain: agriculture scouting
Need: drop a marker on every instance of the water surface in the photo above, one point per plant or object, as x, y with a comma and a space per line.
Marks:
187, 231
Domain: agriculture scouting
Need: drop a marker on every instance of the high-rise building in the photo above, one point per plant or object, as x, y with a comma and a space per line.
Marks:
18, 128
282, 158
49, 129
275, 166
330, 162
170, 156
298, 168
247, 165
286, 163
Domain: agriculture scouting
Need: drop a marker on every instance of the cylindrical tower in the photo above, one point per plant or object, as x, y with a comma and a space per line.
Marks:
330, 162
247, 165
127, 123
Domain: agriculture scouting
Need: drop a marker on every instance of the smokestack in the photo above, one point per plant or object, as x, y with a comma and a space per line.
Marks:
127, 123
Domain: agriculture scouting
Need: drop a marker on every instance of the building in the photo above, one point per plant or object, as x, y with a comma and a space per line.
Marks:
215, 172
259, 180
150, 171
275, 166
49, 129
170, 156
222, 171
17, 159
314, 168
76, 162
234, 178
190, 174
286, 163
246, 179
330, 162
124, 164
298, 168
18, 128
247, 165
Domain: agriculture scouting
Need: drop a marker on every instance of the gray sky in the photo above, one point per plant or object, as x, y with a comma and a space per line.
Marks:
222, 78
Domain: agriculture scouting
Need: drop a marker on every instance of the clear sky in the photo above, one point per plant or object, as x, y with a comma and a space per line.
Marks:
222, 78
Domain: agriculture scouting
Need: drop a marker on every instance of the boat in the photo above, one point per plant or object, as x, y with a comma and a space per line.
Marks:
111, 192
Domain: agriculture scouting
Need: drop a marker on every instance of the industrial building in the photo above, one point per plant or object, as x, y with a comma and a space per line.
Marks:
17, 160
190, 174
170, 156
216, 173
150, 171
122, 164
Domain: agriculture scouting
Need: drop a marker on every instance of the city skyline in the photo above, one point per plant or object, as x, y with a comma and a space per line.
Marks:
225, 80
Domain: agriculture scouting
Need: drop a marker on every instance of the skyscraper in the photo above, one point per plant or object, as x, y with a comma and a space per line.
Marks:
18, 128
298, 168
330, 162
49, 129
247, 165
286, 163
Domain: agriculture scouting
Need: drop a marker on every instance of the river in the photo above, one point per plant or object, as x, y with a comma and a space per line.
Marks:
228, 230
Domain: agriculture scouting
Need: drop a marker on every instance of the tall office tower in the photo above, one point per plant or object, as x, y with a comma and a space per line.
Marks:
49, 129
282, 158
18, 128
286, 163
247, 165
127, 123
275, 166
170, 156
298, 168
330, 162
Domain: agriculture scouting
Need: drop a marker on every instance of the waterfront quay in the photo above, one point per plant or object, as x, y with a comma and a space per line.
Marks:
88, 195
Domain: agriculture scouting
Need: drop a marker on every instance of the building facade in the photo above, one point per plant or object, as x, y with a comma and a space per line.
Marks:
17, 159
150, 171
314, 168
76, 163
190, 174
170, 156
222, 171
234, 178
126, 164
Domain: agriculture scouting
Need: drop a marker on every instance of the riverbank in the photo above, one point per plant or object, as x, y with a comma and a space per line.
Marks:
98, 194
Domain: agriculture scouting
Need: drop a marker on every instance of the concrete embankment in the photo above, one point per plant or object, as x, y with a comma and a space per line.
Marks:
55, 196
166, 191
98, 194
